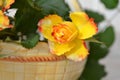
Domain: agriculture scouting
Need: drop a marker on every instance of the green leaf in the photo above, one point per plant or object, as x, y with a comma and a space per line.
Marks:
98, 51
8, 32
110, 4
93, 39
31, 11
93, 69
97, 16
107, 36
31, 41
26, 17
50, 7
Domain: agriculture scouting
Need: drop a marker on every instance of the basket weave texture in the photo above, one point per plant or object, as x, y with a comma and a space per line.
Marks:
44, 67
56, 70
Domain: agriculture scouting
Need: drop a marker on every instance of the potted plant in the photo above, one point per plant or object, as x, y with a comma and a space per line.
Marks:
60, 55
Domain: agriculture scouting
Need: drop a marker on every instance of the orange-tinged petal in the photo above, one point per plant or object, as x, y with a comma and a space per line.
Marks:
45, 25
88, 30
7, 3
4, 21
79, 52
79, 18
60, 49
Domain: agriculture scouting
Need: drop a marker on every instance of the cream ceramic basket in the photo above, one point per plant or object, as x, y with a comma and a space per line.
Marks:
36, 64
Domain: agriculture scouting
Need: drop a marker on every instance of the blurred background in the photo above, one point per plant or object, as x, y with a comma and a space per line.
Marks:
111, 61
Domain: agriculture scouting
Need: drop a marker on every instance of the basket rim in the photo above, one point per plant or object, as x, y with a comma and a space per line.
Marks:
33, 58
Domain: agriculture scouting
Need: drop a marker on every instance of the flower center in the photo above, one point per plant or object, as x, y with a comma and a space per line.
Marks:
64, 32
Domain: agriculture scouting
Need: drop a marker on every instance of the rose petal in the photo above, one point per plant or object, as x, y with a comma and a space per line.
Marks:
60, 49
45, 25
88, 30
64, 32
79, 52
4, 21
7, 3
79, 18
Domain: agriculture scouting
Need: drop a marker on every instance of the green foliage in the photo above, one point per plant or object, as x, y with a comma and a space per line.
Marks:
97, 16
31, 11
98, 50
26, 18
93, 69
110, 4
93, 39
107, 36
8, 32
50, 7
30, 41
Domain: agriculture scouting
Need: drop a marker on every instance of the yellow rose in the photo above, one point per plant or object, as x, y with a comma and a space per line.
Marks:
64, 32
67, 37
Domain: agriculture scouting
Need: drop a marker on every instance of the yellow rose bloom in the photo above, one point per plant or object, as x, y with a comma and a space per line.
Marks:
64, 32
67, 37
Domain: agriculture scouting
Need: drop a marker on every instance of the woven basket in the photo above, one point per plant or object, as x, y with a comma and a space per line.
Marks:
38, 67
